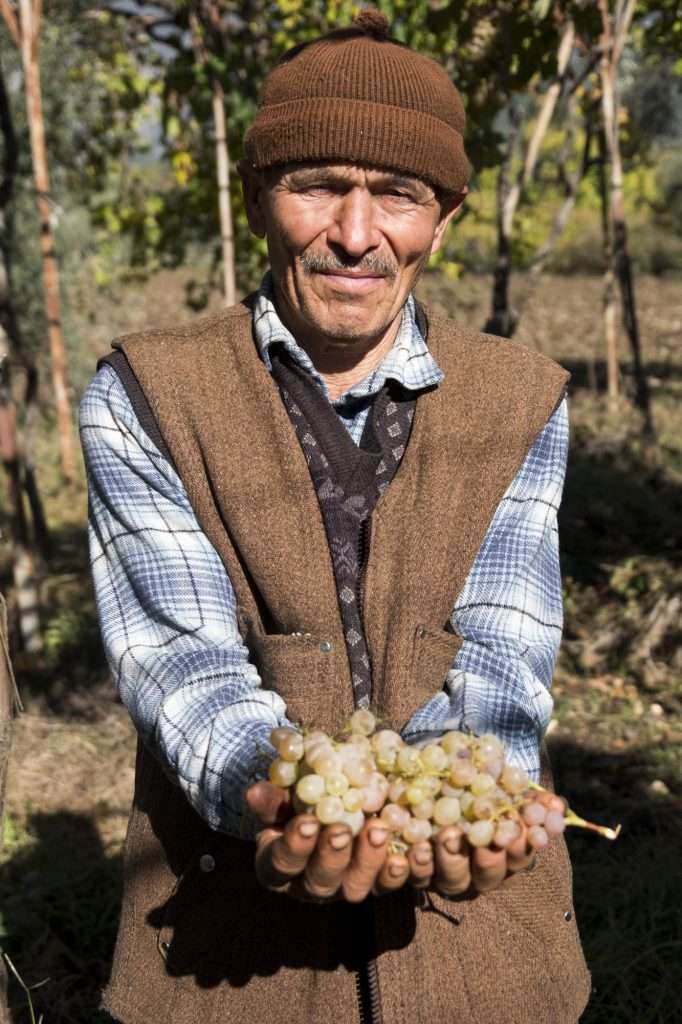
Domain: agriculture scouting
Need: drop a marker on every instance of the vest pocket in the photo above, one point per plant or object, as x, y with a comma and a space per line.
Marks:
528, 920
307, 672
433, 652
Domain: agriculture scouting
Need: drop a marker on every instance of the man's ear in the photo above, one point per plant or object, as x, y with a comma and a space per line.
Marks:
450, 207
252, 190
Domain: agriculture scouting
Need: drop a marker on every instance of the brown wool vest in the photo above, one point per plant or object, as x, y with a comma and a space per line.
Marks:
199, 941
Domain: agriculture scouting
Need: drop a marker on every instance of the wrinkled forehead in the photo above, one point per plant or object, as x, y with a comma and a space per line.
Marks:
361, 174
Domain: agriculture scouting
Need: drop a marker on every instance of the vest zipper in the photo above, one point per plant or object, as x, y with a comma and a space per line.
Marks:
367, 976
363, 552
367, 988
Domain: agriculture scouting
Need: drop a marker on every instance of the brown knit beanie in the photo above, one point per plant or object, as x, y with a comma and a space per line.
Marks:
358, 95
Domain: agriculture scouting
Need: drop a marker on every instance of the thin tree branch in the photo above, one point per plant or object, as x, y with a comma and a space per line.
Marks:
11, 21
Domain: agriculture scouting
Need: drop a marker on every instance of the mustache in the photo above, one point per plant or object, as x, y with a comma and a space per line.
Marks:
315, 263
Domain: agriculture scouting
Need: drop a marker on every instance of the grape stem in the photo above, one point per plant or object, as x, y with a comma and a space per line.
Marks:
571, 818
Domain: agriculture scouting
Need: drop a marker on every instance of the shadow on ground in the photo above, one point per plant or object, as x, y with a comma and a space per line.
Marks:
59, 900
628, 893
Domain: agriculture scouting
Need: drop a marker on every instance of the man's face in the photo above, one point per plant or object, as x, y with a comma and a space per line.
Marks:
346, 245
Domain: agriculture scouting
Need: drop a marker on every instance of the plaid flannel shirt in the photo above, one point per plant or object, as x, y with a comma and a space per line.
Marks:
168, 612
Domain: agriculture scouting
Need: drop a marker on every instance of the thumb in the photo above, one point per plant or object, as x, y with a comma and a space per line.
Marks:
270, 804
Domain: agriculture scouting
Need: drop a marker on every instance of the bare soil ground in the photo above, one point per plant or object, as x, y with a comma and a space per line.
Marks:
615, 738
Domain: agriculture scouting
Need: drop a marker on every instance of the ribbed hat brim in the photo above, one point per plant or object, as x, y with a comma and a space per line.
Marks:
357, 131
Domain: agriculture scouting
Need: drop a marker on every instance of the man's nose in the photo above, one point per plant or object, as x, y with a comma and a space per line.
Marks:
353, 226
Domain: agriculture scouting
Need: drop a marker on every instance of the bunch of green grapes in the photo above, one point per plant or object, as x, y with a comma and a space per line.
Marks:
460, 780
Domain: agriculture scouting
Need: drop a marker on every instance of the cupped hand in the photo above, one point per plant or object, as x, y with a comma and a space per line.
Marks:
297, 855
313, 862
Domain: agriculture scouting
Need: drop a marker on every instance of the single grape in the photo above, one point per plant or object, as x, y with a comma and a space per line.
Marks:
534, 813
481, 833
362, 722
494, 767
453, 741
395, 817
358, 771
316, 736
409, 761
386, 759
416, 830
556, 803
386, 739
283, 773
462, 772
336, 785
483, 807
433, 784
354, 819
352, 800
514, 779
373, 799
506, 832
328, 762
537, 837
424, 809
466, 803
380, 781
434, 758
446, 811
397, 790
449, 790
488, 746
291, 747
416, 793
329, 810
555, 823
281, 733
321, 748
481, 784
310, 789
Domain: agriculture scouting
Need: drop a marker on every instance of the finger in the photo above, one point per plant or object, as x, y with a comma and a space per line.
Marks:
330, 858
520, 854
281, 856
270, 804
369, 854
488, 868
420, 859
394, 873
453, 868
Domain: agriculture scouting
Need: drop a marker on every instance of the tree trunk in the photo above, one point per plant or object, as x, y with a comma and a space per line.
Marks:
224, 205
29, 53
620, 268
610, 312
27, 592
503, 319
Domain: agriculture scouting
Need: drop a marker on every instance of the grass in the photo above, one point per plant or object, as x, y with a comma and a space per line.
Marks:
616, 737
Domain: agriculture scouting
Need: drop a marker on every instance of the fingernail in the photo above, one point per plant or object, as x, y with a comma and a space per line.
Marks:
422, 856
377, 836
395, 870
339, 841
307, 829
451, 845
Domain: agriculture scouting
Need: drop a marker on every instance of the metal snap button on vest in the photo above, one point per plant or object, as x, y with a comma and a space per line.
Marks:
206, 862
568, 915
325, 646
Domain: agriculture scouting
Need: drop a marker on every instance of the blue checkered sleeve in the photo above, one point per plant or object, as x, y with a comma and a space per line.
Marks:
168, 617
510, 615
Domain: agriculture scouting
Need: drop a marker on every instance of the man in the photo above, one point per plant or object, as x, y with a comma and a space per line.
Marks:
326, 499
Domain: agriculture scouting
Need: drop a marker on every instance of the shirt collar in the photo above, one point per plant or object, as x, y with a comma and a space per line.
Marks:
409, 361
